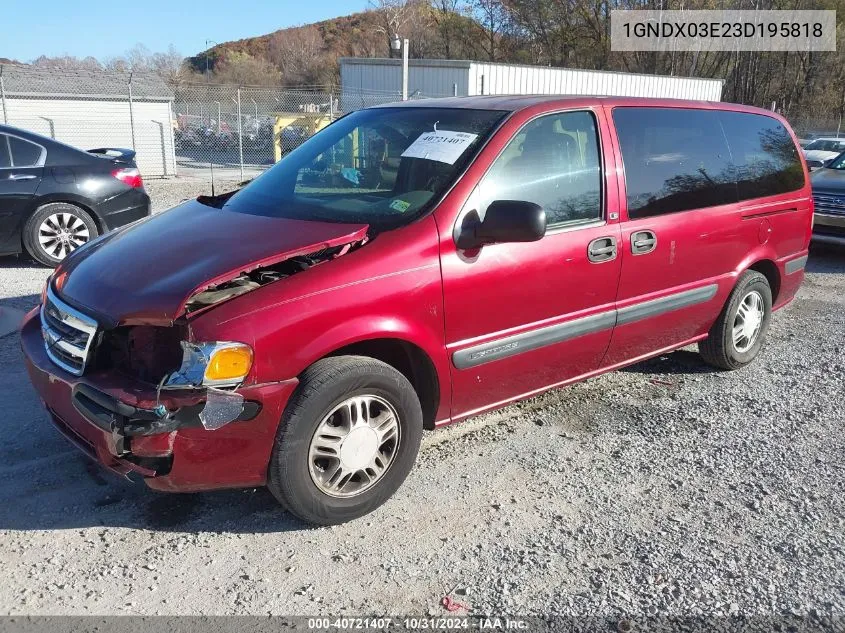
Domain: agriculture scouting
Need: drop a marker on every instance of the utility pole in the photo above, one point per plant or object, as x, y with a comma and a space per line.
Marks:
208, 44
405, 69
396, 44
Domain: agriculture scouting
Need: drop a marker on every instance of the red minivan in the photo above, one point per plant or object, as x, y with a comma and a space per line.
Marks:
409, 266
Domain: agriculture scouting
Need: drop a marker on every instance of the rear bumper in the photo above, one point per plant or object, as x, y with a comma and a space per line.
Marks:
125, 209
110, 418
829, 228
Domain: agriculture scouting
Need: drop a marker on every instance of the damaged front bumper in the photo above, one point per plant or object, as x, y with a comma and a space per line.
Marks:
129, 428
124, 420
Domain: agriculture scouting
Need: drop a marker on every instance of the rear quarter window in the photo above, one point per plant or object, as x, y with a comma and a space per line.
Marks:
766, 158
24, 153
5, 157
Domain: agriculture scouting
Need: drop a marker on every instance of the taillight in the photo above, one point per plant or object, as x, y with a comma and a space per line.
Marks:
130, 176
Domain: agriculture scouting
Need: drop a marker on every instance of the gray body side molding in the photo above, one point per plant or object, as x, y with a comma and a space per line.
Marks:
519, 343
670, 303
535, 339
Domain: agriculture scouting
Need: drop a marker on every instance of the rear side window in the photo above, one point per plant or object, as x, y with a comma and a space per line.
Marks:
674, 160
766, 159
681, 159
24, 153
5, 161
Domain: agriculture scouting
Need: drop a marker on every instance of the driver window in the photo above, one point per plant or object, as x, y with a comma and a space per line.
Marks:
362, 161
554, 162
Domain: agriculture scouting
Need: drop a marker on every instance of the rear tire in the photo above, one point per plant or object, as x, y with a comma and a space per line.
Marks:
321, 472
735, 340
57, 229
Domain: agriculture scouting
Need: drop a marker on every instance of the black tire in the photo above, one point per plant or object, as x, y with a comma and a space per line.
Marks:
323, 386
719, 349
31, 230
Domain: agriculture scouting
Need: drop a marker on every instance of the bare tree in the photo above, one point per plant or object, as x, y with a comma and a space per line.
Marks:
170, 66
394, 15
447, 16
298, 53
67, 62
139, 58
244, 69
494, 19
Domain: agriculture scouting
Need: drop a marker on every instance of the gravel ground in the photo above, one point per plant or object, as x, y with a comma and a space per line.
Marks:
664, 489
169, 193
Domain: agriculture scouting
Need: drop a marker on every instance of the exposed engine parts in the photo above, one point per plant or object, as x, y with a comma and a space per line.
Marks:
258, 277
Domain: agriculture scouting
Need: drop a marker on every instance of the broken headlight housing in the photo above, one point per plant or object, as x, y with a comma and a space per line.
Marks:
212, 364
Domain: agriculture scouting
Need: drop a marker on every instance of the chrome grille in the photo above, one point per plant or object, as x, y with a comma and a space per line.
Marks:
68, 334
833, 204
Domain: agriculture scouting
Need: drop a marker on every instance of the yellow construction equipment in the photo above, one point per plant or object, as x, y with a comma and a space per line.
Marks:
305, 124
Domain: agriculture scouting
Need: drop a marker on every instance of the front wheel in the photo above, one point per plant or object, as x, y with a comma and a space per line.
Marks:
347, 440
737, 336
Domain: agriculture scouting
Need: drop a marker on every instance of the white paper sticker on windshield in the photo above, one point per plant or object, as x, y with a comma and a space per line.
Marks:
442, 146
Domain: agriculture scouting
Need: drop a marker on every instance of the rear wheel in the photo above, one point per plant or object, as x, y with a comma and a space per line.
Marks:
347, 440
56, 230
737, 336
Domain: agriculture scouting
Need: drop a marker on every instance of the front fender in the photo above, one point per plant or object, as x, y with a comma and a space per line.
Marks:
390, 288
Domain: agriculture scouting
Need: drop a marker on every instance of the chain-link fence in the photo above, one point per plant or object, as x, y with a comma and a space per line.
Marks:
239, 131
810, 127
190, 130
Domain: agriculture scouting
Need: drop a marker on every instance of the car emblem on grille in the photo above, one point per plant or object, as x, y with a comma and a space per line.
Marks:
839, 201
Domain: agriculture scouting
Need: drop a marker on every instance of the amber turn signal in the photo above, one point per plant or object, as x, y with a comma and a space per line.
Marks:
229, 363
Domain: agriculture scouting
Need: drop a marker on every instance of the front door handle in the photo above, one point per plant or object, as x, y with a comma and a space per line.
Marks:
643, 242
22, 177
602, 249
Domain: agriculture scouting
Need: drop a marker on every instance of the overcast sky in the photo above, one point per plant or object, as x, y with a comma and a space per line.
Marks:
108, 29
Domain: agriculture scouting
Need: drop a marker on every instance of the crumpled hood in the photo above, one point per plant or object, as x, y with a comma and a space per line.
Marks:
146, 273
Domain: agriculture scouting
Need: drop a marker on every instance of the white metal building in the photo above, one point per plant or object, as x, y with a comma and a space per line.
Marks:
361, 77
91, 109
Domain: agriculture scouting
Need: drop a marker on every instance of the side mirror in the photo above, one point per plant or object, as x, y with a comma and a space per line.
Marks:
504, 221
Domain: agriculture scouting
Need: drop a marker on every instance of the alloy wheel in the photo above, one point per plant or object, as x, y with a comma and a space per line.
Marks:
62, 233
354, 446
748, 321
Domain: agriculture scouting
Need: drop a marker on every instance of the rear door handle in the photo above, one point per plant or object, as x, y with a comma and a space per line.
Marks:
602, 249
643, 242
22, 177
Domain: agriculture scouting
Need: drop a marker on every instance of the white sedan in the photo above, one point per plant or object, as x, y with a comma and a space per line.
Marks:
823, 149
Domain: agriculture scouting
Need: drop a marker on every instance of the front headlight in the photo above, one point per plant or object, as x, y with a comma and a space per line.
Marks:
57, 278
214, 364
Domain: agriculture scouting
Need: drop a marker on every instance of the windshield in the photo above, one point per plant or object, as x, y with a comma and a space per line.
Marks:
827, 145
381, 166
837, 163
